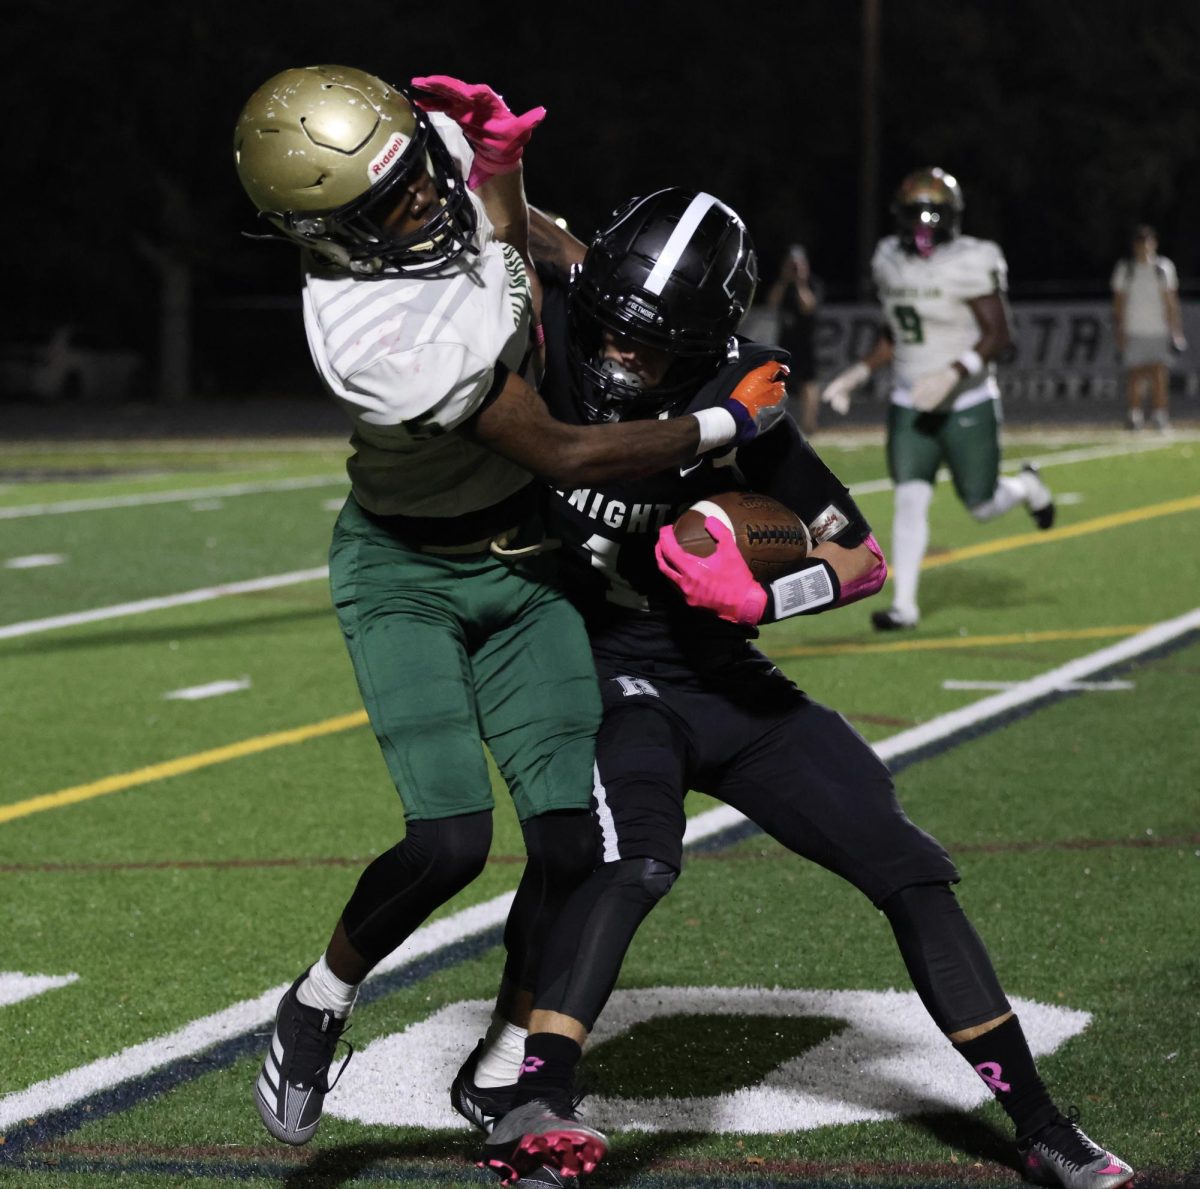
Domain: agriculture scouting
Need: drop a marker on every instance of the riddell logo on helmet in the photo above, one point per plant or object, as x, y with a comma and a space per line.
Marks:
386, 157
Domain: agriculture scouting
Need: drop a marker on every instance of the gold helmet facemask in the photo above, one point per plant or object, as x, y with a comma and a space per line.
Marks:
325, 152
928, 210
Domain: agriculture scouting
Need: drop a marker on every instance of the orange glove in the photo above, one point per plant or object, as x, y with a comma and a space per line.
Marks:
757, 401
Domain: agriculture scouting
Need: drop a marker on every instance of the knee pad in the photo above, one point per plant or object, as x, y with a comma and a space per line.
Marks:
433, 862
949, 966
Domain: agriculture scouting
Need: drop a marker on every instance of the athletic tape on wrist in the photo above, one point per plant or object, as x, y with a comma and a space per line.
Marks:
810, 589
717, 428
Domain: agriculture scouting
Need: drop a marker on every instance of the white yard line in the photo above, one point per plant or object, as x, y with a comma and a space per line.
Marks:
34, 561
104, 503
1081, 686
212, 689
205, 594
59, 1092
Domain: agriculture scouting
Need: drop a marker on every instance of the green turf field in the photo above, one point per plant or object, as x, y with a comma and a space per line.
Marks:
168, 862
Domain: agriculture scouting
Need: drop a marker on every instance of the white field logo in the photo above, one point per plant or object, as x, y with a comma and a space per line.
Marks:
387, 157
889, 1061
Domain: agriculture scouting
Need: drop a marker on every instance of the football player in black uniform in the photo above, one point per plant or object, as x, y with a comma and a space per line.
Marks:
645, 329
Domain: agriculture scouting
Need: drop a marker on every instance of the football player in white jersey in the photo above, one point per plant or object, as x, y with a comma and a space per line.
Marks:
421, 321
946, 323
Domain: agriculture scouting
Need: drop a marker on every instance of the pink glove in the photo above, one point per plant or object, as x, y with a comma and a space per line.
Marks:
497, 136
722, 582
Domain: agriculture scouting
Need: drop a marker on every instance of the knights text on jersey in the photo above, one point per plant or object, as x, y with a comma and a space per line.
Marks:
925, 303
412, 358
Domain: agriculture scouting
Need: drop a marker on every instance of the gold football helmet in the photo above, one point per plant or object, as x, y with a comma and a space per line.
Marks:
928, 210
324, 152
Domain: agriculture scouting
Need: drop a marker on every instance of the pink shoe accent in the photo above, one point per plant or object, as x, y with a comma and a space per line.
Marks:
1032, 1160
570, 1152
1113, 1165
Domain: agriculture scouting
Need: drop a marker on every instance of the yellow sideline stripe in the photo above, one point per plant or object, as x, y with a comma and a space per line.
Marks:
1096, 525
947, 642
201, 759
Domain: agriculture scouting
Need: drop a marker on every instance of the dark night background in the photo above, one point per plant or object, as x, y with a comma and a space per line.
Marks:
1066, 122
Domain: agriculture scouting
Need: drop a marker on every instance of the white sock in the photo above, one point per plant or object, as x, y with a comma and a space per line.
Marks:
503, 1054
910, 538
1011, 490
325, 990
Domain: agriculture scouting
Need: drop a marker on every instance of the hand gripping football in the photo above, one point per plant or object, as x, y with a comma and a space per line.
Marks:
771, 538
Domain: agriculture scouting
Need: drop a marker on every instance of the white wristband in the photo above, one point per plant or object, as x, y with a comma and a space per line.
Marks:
717, 428
971, 362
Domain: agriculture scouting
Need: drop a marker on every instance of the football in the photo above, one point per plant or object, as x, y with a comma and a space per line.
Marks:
769, 535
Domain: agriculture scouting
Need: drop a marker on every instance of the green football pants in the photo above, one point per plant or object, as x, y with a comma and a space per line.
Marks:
451, 650
968, 442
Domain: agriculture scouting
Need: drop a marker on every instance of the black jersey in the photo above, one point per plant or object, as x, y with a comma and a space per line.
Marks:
609, 531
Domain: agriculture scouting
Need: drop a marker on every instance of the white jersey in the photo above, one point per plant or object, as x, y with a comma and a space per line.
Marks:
411, 359
1144, 284
925, 302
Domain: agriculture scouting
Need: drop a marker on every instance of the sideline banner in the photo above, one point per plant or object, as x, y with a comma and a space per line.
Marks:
1063, 363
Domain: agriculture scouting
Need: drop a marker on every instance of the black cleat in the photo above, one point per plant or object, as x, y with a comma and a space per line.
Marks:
1060, 1155
539, 1136
294, 1078
891, 621
481, 1106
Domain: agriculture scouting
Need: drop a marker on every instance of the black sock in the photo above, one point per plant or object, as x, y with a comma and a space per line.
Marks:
1002, 1058
549, 1067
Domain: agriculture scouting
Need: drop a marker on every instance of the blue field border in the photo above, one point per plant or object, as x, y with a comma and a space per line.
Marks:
136, 1091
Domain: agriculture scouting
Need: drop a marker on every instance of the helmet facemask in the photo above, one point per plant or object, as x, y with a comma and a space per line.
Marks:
675, 272
928, 211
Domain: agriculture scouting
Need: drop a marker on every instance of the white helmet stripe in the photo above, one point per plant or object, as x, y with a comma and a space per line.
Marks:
668, 258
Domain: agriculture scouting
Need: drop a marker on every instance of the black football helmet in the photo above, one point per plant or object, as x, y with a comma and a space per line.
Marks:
676, 271
928, 210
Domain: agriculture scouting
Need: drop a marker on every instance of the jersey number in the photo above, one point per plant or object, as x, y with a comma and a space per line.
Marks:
603, 552
909, 321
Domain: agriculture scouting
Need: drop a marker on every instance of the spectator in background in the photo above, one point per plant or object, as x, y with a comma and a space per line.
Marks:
794, 298
1147, 324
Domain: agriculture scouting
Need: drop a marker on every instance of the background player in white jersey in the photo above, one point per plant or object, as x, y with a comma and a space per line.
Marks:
946, 322
420, 322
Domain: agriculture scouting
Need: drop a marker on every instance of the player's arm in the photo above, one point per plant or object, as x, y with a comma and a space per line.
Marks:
844, 564
1174, 319
838, 391
930, 391
785, 465
497, 138
551, 244
515, 422
503, 197
995, 333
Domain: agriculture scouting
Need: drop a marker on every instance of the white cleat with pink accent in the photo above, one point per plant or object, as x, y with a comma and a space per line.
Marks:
1059, 1154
